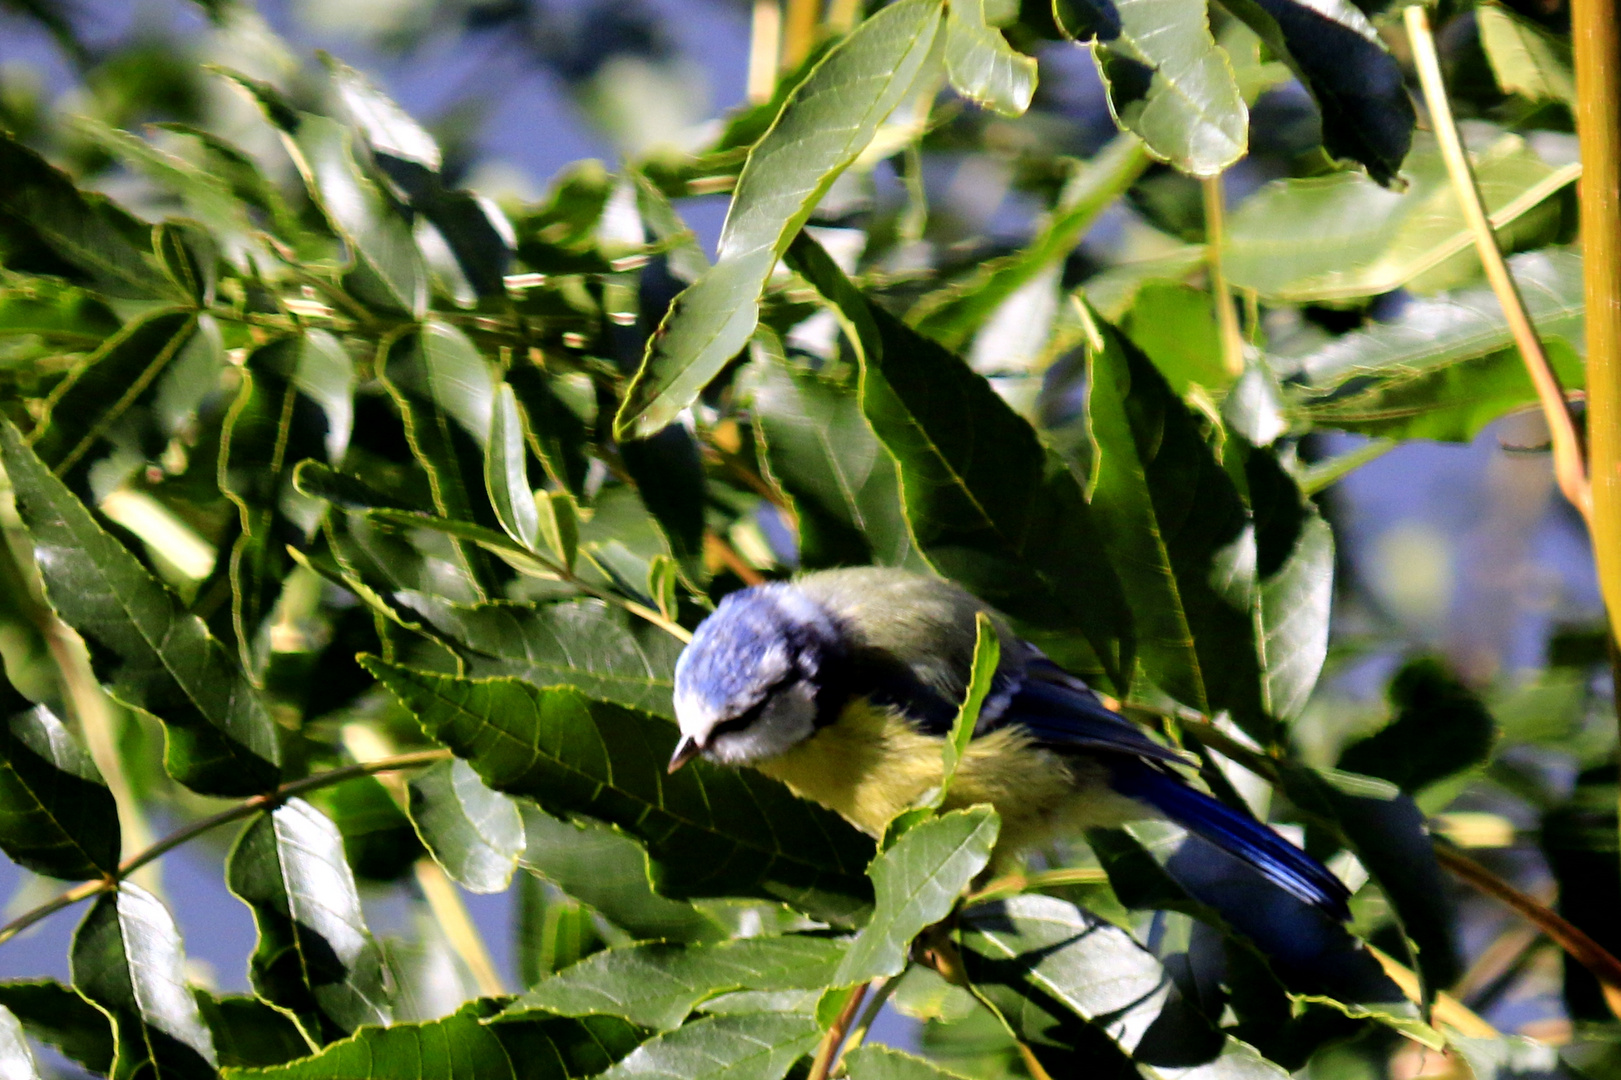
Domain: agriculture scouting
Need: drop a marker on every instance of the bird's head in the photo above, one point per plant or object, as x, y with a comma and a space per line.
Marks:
756, 677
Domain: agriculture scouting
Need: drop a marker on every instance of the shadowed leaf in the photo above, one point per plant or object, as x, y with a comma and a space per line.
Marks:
56, 815
711, 831
159, 657
54, 1014
758, 1046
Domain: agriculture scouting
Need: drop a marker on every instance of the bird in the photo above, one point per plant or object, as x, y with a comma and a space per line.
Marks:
843, 683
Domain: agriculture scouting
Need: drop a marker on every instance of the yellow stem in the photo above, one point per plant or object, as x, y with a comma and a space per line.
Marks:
1447, 1009
451, 915
1232, 339
799, 32
1569, 467
765, 43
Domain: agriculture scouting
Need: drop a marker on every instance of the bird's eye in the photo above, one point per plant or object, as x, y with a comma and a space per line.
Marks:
741, 720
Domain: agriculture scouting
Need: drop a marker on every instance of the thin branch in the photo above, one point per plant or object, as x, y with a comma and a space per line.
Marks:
834, 1038
1567, 935
879, 992
246, 808
723, 552
799, 33
1569, 466
1232, 339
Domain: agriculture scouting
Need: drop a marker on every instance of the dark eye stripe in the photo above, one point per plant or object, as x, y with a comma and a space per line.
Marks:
742, 719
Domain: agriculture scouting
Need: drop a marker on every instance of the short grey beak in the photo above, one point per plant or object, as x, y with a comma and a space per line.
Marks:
685, 751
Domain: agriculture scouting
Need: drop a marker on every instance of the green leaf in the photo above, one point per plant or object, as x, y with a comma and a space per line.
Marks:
295, 402
988, 505
97, 394
917, 882
65, 316
552, 930
127, 960
982, 65
1175, 325
379, 841
1292, 620
873, 1062
1439, 728
1176, 530
16, 1057
952, 314
56, 815
389, 268
1526, 59
251, 1034
716, 832
315, 956
460, 1047
601, 866
840, 481
110, 247
475, 833
1170, 83
657, 985
585, 643
1342, 236
506, 473
54, 1014
447, 392
160, 658
1043, 963
823, 127
1445, 367
1338, 57
752, 1046
388, 128
668, 471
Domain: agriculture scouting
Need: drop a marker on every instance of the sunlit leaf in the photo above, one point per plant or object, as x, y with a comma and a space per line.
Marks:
315, 956
16, 1058
1170, 83
127, 959
658, 985
1082, 993
982, 65
1445, 366
758, 1046
827, 122
506, 475
1526, 59
874, 1062
917, 881
475, 833
712, 831
159, 657
1343, 236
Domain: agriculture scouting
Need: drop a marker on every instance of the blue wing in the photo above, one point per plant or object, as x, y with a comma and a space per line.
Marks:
1064, 715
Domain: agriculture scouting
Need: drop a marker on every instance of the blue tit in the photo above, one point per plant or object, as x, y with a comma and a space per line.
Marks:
842, 683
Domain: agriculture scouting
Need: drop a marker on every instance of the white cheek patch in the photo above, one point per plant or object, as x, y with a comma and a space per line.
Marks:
693, 716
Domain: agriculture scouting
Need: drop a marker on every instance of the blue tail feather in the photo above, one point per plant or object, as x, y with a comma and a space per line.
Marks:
1236, 833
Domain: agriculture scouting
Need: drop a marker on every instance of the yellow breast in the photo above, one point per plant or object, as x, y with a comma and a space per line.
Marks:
872, 763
